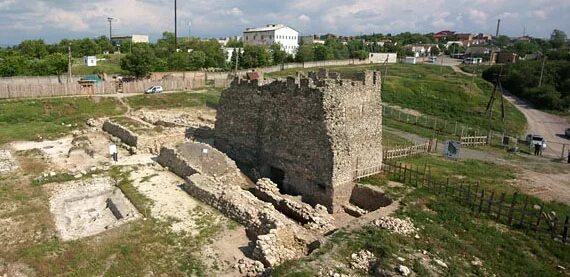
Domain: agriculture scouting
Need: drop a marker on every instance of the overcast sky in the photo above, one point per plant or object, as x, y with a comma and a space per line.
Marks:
57, 19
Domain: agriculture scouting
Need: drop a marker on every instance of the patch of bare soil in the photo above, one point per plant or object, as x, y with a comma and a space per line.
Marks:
87, 207
179, 118
227, 250
15, 269
547, 187
170, 202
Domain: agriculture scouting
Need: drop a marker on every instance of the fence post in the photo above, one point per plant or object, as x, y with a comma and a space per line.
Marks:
490, 201
481, 201
539, 217
455, 128
501, 201
563, 151
523, 213
512, 208
565, 233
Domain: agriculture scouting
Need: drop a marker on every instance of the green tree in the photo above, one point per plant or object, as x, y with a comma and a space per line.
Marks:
140, 62
558, 38
33, 48
234, 43
305, 53
255, 56
278, 55
322, 53
55, 63
197, 60
178, 61
14, 65
434, 51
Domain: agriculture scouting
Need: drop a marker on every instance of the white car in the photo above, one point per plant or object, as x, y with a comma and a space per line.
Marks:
154, 89
533, 140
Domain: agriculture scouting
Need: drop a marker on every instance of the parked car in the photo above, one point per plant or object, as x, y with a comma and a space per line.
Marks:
567, 133
154, 89
533, 140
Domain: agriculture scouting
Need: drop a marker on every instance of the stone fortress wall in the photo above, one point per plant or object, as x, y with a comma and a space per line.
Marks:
307, 134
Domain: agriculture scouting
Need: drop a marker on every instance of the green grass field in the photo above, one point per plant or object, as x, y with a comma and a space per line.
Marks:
51, 118
448, 231
438, 91
111, 65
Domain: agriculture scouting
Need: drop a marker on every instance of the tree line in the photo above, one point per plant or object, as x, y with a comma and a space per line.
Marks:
544, 82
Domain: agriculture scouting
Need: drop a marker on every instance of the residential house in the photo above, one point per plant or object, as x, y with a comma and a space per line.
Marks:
286, 36
443, 35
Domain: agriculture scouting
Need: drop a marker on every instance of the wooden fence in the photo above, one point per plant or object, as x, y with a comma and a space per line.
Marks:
71, 89
473, 140
406, 151
513, 210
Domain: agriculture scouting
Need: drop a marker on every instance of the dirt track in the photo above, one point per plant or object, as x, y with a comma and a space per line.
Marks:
550, 126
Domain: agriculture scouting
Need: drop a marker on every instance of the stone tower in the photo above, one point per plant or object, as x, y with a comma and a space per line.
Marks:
309, 135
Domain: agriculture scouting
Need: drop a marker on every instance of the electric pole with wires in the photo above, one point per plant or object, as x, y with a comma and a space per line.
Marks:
497, 89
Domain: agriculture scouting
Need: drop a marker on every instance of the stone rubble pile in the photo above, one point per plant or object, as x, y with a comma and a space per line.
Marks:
395, 225
7, 162
362, 260
175, 119
278, 238
250, 268
354, 210
316, 218
274, 248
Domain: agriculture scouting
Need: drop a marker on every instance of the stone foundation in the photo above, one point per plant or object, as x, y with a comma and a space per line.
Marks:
216, 180
369, 198
88, 207
312, 218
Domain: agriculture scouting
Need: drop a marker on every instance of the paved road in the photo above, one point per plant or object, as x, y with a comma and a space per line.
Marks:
550, 126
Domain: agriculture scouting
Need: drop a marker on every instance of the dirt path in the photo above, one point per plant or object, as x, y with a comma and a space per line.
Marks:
550, 126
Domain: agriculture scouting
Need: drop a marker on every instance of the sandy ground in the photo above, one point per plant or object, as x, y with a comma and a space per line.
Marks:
550, 126
170, 202
57, 153
81, 208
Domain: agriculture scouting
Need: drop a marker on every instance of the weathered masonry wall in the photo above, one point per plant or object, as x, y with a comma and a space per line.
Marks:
308, 135
126, 136
215, 179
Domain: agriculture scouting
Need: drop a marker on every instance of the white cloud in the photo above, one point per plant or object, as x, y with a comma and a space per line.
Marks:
304, 18
57, 19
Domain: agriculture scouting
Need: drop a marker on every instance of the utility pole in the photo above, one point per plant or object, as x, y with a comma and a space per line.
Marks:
175, 28
542, 72
69, 63
189, 26
498, 27
237, 58
110, 19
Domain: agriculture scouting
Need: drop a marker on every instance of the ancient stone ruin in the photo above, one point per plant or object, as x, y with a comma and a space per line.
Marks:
87, 207
309, 135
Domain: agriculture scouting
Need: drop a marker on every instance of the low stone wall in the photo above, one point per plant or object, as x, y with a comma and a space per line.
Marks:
369, 198
170, 158
316, 218
117, 130
217, 181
